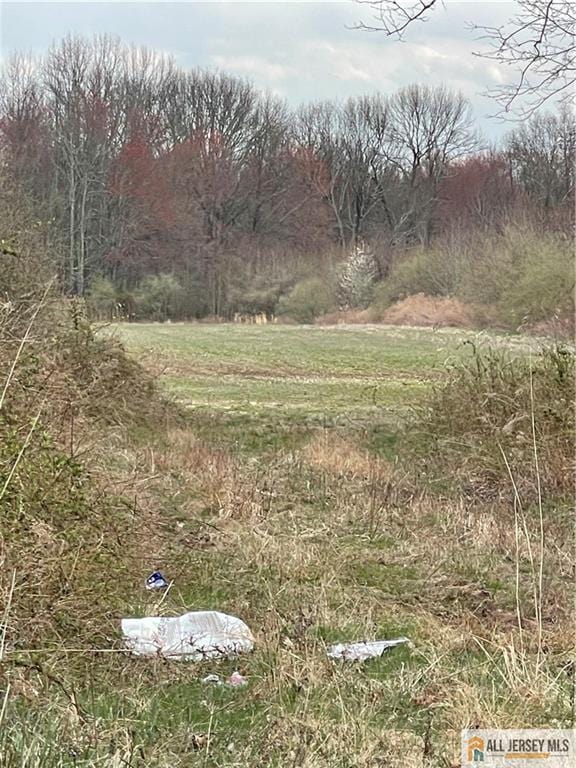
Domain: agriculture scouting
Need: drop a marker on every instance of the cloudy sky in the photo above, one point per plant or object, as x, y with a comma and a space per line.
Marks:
298, 50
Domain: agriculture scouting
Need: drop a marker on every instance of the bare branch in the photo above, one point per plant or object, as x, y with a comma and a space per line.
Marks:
393, 18
538, 43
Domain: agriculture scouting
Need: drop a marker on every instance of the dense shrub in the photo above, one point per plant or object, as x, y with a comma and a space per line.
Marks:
433, 272
307, 300
516, 278
102, 299
526, 275
544, 287
64, 394
100, 380
495, 412
51, 509
158, 297
257, 296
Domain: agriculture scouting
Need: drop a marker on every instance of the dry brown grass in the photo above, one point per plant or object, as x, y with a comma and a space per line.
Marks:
291, 573
422, 310
327, 542
337, 455
560, 328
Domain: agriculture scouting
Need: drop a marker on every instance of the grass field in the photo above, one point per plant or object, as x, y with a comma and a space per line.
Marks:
268, 386
284, 496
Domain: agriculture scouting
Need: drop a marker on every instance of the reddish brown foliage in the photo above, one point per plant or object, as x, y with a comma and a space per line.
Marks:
475, 192
135, 176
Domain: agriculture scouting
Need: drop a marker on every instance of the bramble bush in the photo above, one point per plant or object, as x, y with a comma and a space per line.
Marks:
307, 300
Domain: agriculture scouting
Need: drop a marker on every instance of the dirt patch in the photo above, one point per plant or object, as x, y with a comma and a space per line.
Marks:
423, 310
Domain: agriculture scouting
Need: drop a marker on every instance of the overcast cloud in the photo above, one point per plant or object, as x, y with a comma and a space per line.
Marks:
300, 51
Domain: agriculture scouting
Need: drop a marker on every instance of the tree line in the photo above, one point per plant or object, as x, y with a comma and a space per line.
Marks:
140, 171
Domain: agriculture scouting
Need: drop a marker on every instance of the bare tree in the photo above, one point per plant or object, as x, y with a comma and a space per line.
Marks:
98, 93
432, 127
142, 168
316, 131
365, 134
542, 154
385, 158
351, 140
538, 42
23, 126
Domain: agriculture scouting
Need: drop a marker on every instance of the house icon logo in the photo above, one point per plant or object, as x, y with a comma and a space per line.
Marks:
475, 749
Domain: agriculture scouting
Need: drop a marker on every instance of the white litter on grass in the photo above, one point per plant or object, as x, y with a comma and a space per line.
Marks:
363, 651
192, 637
212, 680
236, 680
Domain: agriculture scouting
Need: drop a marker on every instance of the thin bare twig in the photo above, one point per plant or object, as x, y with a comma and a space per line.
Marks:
539, 43
540, 512
23, 341
22, 450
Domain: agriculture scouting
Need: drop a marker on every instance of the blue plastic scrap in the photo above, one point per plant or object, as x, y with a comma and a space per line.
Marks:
156, 581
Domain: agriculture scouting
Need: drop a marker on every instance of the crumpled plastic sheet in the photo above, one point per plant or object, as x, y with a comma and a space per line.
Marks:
365, 650
191, 637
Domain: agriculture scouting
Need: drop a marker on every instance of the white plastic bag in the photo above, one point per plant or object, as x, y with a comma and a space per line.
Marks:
363, 651
191, 637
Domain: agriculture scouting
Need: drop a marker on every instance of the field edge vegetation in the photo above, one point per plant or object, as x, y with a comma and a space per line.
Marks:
337, 535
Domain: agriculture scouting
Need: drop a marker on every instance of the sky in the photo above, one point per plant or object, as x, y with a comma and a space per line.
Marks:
301, 51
